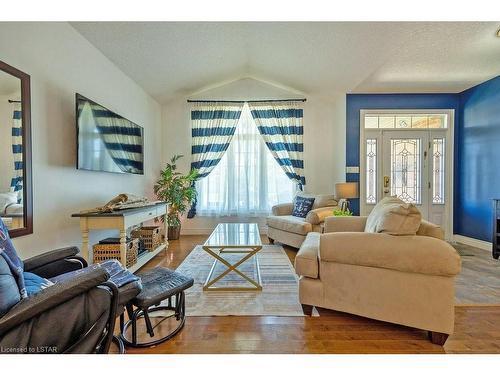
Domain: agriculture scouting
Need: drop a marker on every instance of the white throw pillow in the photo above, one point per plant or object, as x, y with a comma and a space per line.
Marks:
6, 199
393, 216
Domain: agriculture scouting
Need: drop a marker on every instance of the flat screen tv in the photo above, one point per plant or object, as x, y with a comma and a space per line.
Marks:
107, 141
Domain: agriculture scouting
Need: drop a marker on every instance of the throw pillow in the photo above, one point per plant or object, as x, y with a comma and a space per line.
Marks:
301, 206
34, 283
393, 216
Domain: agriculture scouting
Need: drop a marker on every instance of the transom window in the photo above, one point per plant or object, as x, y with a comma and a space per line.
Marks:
407, 121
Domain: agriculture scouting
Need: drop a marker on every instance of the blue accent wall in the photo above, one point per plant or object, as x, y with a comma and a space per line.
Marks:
357, 102
477, 160
477, 147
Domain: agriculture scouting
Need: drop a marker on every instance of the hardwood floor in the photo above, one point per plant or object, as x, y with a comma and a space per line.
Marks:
179, 249
479, 280
477, 328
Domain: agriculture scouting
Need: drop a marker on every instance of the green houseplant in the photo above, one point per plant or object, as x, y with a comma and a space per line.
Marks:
178, 191
342, 213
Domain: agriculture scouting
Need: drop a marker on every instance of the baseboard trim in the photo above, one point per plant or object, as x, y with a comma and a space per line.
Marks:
480, 244
207, 231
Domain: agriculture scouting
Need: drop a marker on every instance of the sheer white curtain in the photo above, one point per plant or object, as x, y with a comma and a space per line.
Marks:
247, 180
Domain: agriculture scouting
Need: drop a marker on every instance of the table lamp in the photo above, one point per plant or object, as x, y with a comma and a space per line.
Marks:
345, 191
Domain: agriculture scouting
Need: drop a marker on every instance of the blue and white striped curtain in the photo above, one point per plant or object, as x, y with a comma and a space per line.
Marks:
212, 127
16, 183
280, 124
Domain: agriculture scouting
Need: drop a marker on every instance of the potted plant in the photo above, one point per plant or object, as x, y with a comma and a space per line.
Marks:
342, 213
178, 191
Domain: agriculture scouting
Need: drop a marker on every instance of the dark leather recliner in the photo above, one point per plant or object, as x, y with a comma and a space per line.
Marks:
76, 315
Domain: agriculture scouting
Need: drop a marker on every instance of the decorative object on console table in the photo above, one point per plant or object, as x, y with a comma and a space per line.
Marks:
178, 191
495, 251
345, 191
121, 221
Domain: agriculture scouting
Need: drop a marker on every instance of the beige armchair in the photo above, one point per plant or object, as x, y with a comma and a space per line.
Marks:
291, 230
406, 280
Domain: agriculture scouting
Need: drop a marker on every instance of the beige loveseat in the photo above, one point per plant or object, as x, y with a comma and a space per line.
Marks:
291, 230
407, 279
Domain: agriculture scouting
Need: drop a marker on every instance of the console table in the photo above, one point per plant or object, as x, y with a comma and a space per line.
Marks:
122, 220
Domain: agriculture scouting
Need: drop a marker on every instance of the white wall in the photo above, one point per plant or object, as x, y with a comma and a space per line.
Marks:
324, 137
61, 62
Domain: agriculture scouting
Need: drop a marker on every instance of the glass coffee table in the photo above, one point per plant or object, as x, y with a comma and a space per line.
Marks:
234, 238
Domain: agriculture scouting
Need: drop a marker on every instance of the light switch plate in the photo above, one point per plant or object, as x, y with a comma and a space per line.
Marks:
352, 169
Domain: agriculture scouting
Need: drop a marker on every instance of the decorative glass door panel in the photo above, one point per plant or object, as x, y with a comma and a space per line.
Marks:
371, 171
438, 169
404, 167
406, 160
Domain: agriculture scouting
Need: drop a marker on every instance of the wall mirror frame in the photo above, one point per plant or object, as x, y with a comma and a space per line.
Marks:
27, 184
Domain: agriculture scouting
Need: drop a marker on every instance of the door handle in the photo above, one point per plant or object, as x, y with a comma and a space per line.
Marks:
386, 184
386, 181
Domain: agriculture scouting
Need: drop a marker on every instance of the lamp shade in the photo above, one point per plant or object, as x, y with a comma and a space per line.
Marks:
346, 190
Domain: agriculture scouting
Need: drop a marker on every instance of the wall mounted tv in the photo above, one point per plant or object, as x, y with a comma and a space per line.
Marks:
107, 141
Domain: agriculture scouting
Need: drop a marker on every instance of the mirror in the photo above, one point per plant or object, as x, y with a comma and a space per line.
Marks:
16, 203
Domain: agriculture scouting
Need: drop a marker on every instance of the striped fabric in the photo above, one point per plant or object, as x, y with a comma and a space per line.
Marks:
280, 124
16, 183
212, 127
122, 139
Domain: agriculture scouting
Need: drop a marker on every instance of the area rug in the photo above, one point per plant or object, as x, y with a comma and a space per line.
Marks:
279, 295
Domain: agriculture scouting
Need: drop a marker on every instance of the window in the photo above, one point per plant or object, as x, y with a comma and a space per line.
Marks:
247, 180
438, 170
406, 121
371, 171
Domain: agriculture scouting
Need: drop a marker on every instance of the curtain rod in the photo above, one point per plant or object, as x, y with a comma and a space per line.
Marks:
246, 101
14, 101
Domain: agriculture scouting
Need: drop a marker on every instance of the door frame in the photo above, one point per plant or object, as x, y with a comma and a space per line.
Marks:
450, 152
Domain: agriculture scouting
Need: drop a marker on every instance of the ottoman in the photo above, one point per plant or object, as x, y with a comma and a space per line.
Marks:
162, 290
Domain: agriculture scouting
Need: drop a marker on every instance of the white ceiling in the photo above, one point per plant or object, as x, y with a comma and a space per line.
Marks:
177, 58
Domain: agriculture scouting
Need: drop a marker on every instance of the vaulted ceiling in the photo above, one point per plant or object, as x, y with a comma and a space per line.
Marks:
177, 58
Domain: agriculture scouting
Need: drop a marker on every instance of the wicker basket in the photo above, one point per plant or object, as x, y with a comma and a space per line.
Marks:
107, 251
150, 235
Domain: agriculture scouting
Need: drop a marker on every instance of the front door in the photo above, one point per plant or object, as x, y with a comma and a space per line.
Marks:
405, 168
409, 163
